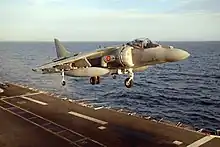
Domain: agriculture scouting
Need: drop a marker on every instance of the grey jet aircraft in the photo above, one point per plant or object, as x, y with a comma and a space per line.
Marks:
133, 56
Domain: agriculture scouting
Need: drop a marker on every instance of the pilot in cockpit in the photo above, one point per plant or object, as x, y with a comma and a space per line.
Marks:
148, 44
142, 43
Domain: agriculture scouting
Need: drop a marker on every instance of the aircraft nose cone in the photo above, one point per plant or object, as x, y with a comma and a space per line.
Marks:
176, 55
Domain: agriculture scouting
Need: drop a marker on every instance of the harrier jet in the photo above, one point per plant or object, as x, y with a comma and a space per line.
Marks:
133, 56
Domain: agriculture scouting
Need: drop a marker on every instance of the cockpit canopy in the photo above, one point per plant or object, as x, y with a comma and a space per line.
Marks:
142, 43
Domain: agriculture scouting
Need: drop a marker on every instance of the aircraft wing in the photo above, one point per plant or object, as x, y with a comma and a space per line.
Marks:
78, 61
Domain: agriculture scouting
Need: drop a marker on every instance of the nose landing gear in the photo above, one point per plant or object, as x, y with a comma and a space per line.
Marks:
63, 83
129, 81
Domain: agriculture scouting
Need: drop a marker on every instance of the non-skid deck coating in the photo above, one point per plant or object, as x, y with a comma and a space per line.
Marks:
32, 118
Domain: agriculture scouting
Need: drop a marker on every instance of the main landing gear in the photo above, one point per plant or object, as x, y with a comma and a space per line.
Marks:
129, 81
95, 80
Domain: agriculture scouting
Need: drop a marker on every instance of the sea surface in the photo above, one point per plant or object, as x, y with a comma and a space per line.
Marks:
187, 91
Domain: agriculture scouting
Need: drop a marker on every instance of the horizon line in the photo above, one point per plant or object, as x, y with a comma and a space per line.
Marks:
107, 41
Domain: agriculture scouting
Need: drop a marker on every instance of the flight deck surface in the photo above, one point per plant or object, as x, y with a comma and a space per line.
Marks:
35, 118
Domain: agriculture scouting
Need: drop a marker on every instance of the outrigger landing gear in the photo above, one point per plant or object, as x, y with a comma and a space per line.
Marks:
129, 81
63, 83
63, 80
95, 80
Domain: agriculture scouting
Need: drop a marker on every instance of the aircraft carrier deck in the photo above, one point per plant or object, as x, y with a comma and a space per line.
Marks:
32, 118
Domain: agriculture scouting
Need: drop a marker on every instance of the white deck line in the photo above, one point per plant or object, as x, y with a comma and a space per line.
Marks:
88, 118
215, 136
1, 90
26, 94
33, 100
98, 108
201, 141
102, 127
177, 142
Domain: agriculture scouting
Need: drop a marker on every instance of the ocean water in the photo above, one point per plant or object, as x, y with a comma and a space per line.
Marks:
187, 91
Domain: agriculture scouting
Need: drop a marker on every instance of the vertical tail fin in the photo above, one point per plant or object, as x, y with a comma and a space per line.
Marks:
60, 49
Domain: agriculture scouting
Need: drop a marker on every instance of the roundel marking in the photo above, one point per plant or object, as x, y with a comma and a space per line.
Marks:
108, 58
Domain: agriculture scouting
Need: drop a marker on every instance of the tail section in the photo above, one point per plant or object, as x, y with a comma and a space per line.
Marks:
60, 49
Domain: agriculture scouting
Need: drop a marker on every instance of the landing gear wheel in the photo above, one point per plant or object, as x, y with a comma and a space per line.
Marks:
98, 80
114, 76
93, 80
129, 82
63, 83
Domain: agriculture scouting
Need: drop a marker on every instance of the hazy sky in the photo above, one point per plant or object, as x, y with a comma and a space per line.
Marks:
112, 20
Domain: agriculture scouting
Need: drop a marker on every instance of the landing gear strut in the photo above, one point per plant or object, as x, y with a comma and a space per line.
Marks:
63, 80
98, 80
129, 81
95, 80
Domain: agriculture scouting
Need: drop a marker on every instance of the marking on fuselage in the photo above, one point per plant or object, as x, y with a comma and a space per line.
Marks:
88, 118
33, 100
201, 141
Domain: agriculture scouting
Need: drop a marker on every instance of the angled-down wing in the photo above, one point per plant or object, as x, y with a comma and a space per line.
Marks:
79, 60
72, 60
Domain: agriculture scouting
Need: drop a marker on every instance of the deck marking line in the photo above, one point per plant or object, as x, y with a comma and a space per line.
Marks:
50, 122
32, 117
37, 125
11, 108
35, 101
1, 90
41, 118
102, 127
215, 136
76, 133
88, 118
21, 112
201, 141
97, 108
61, 131
46, 124
26, 94
177, 142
